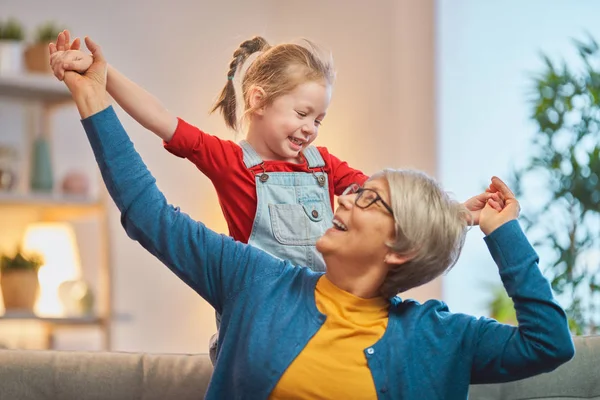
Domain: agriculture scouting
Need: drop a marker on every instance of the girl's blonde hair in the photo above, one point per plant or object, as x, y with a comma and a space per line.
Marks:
277, 70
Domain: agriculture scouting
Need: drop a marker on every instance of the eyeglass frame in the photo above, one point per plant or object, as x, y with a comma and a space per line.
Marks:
359, 190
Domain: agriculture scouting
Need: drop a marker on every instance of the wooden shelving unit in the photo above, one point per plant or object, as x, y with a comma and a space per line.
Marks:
46, 94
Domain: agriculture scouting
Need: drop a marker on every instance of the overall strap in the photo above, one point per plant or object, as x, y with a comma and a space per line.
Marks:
313, 157
251, 157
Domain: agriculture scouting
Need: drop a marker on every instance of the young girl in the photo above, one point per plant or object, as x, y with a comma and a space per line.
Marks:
276, 190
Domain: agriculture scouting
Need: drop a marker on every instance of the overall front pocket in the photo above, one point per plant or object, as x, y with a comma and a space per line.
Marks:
299, 224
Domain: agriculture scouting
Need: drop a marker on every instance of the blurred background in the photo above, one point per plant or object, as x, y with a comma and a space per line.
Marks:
461, 89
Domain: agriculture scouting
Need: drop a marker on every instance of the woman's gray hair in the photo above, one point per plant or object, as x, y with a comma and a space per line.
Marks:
430, 227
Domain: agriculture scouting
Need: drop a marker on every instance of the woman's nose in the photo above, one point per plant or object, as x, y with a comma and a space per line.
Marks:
346, 200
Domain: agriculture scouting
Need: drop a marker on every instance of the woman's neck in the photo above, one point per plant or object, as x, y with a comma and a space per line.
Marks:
361, 281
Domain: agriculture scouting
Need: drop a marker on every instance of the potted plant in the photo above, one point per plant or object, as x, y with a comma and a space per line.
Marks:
561, 182
501, 307
11, 46
37, 58
19, 280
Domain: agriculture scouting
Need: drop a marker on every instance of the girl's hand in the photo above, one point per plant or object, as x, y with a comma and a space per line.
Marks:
477, 203
69, 60
58, 55
490, 217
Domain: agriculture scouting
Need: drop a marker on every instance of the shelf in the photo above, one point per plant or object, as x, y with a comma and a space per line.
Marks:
26, 316
52, 206
48, 200
83, 320
39, 87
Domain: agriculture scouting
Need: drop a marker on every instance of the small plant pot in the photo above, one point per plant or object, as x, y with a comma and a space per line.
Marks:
37, 58
11, 56
19, 289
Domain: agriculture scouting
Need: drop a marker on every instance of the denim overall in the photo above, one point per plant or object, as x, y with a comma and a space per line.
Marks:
293, 211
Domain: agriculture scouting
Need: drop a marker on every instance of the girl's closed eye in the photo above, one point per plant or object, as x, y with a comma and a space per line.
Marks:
301, 113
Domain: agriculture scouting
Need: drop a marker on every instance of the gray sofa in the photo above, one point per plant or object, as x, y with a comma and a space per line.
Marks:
36, 375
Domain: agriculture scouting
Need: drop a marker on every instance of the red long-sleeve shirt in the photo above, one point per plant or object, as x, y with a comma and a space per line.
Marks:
222, 161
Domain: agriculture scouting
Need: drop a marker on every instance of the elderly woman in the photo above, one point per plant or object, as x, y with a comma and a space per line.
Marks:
288, 332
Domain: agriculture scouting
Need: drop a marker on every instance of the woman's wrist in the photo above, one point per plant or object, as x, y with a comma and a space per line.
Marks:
91, 102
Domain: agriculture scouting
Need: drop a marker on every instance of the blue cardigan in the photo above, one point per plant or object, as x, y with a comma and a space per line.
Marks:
268, 306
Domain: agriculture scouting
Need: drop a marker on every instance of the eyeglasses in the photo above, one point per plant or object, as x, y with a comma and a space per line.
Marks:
365, 197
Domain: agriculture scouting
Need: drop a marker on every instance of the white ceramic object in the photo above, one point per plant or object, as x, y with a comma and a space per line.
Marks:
76, 297
11, 57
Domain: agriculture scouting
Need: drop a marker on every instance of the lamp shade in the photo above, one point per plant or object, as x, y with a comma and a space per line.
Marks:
57, 244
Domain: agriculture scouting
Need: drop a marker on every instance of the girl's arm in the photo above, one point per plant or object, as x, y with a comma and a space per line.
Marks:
141, 105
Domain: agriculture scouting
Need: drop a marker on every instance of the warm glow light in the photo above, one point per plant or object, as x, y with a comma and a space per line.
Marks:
57, 244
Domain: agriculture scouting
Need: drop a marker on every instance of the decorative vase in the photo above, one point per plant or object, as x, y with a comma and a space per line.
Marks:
19, 289
41, 169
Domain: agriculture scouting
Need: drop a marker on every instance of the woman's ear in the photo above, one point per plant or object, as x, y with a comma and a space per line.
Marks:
256, 99
397, 259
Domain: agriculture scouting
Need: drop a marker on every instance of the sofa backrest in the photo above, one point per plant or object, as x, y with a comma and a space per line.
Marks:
49, 375
36, 375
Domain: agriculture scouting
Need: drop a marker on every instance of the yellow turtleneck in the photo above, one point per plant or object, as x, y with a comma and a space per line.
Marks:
333, 364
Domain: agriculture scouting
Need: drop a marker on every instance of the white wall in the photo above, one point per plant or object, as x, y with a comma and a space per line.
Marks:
486, 54
383, 103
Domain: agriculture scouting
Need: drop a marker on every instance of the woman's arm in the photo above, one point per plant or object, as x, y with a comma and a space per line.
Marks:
214, 265
542, 340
